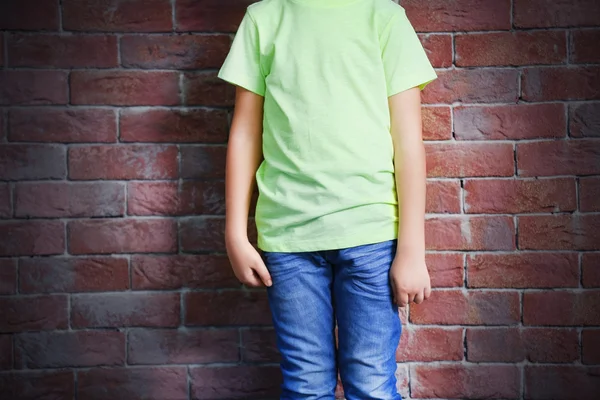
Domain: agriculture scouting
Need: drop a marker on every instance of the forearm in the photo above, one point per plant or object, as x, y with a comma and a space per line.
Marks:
411, 183
409, 167
244, 155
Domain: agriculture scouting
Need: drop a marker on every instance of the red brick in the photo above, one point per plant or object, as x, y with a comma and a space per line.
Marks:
231, 307
182, 271
62, 51
125, 88
495, 345
29, 15
563, 157
5, 201
559, 232
123, 162
470, 233
189, 346
402, 376
33, 385
32, 161
235, 382
183, 125
33, 87
62, 199
161, 383
523, 121
117, 16
561, 83
490, 85
430, 344
554, 14
69, 349
73, 274
106, 236
461, 159
561, 382
33, 313
72, 125
6, 352
210, 15
437, 123
511, 48
24, 238
454, 307
589, 194
445, 269
175, 51
513, 196
111, 310
202, 234
438, 48
583, 43
205, 89
523, 270
561, 308
172, 198
583, 119
590, 344
458, 15
590, 270
443, 196
203, 162
465, 381
8, 277
551, 345
515, 345
259, 345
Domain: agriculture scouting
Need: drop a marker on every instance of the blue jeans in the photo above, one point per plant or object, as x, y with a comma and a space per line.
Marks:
310, 292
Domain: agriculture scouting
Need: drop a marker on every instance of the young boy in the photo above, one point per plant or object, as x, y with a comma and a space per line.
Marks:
327, 121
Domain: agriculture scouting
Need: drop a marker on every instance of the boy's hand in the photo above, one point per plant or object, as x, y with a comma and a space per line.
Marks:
409, 278
247, 264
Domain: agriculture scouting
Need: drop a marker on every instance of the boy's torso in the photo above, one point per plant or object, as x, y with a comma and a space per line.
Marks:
327, 179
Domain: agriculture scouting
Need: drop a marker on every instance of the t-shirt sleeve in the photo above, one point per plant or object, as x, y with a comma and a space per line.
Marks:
404, 59
242, 64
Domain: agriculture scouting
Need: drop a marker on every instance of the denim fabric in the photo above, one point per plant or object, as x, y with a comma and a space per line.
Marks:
313, 290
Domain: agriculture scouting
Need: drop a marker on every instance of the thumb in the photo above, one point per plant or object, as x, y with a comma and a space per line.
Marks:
263, 273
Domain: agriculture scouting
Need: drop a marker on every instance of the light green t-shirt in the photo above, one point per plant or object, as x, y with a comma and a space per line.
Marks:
326, 69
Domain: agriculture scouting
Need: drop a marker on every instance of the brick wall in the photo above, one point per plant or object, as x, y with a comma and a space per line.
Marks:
113, 279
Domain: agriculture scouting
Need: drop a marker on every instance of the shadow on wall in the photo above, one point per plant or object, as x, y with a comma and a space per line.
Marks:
114, 282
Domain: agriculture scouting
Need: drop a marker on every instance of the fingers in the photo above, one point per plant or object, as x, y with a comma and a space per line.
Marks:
400, 295
427, 292
419, 297
251, 279
403, 299
263, 273
394, 295
257, 275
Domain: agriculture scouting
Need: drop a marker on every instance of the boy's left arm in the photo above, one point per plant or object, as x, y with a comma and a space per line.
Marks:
409, 275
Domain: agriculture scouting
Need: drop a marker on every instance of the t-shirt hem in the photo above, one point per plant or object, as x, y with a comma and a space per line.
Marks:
242, 83
339, 242
419, 80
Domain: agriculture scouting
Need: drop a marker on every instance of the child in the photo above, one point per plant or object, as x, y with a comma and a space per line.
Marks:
327, 120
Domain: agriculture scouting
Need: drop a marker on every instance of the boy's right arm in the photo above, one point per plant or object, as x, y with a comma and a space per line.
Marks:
244, 155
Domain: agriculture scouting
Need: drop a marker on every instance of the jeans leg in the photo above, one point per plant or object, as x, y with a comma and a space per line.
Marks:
301, 306
369, 326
